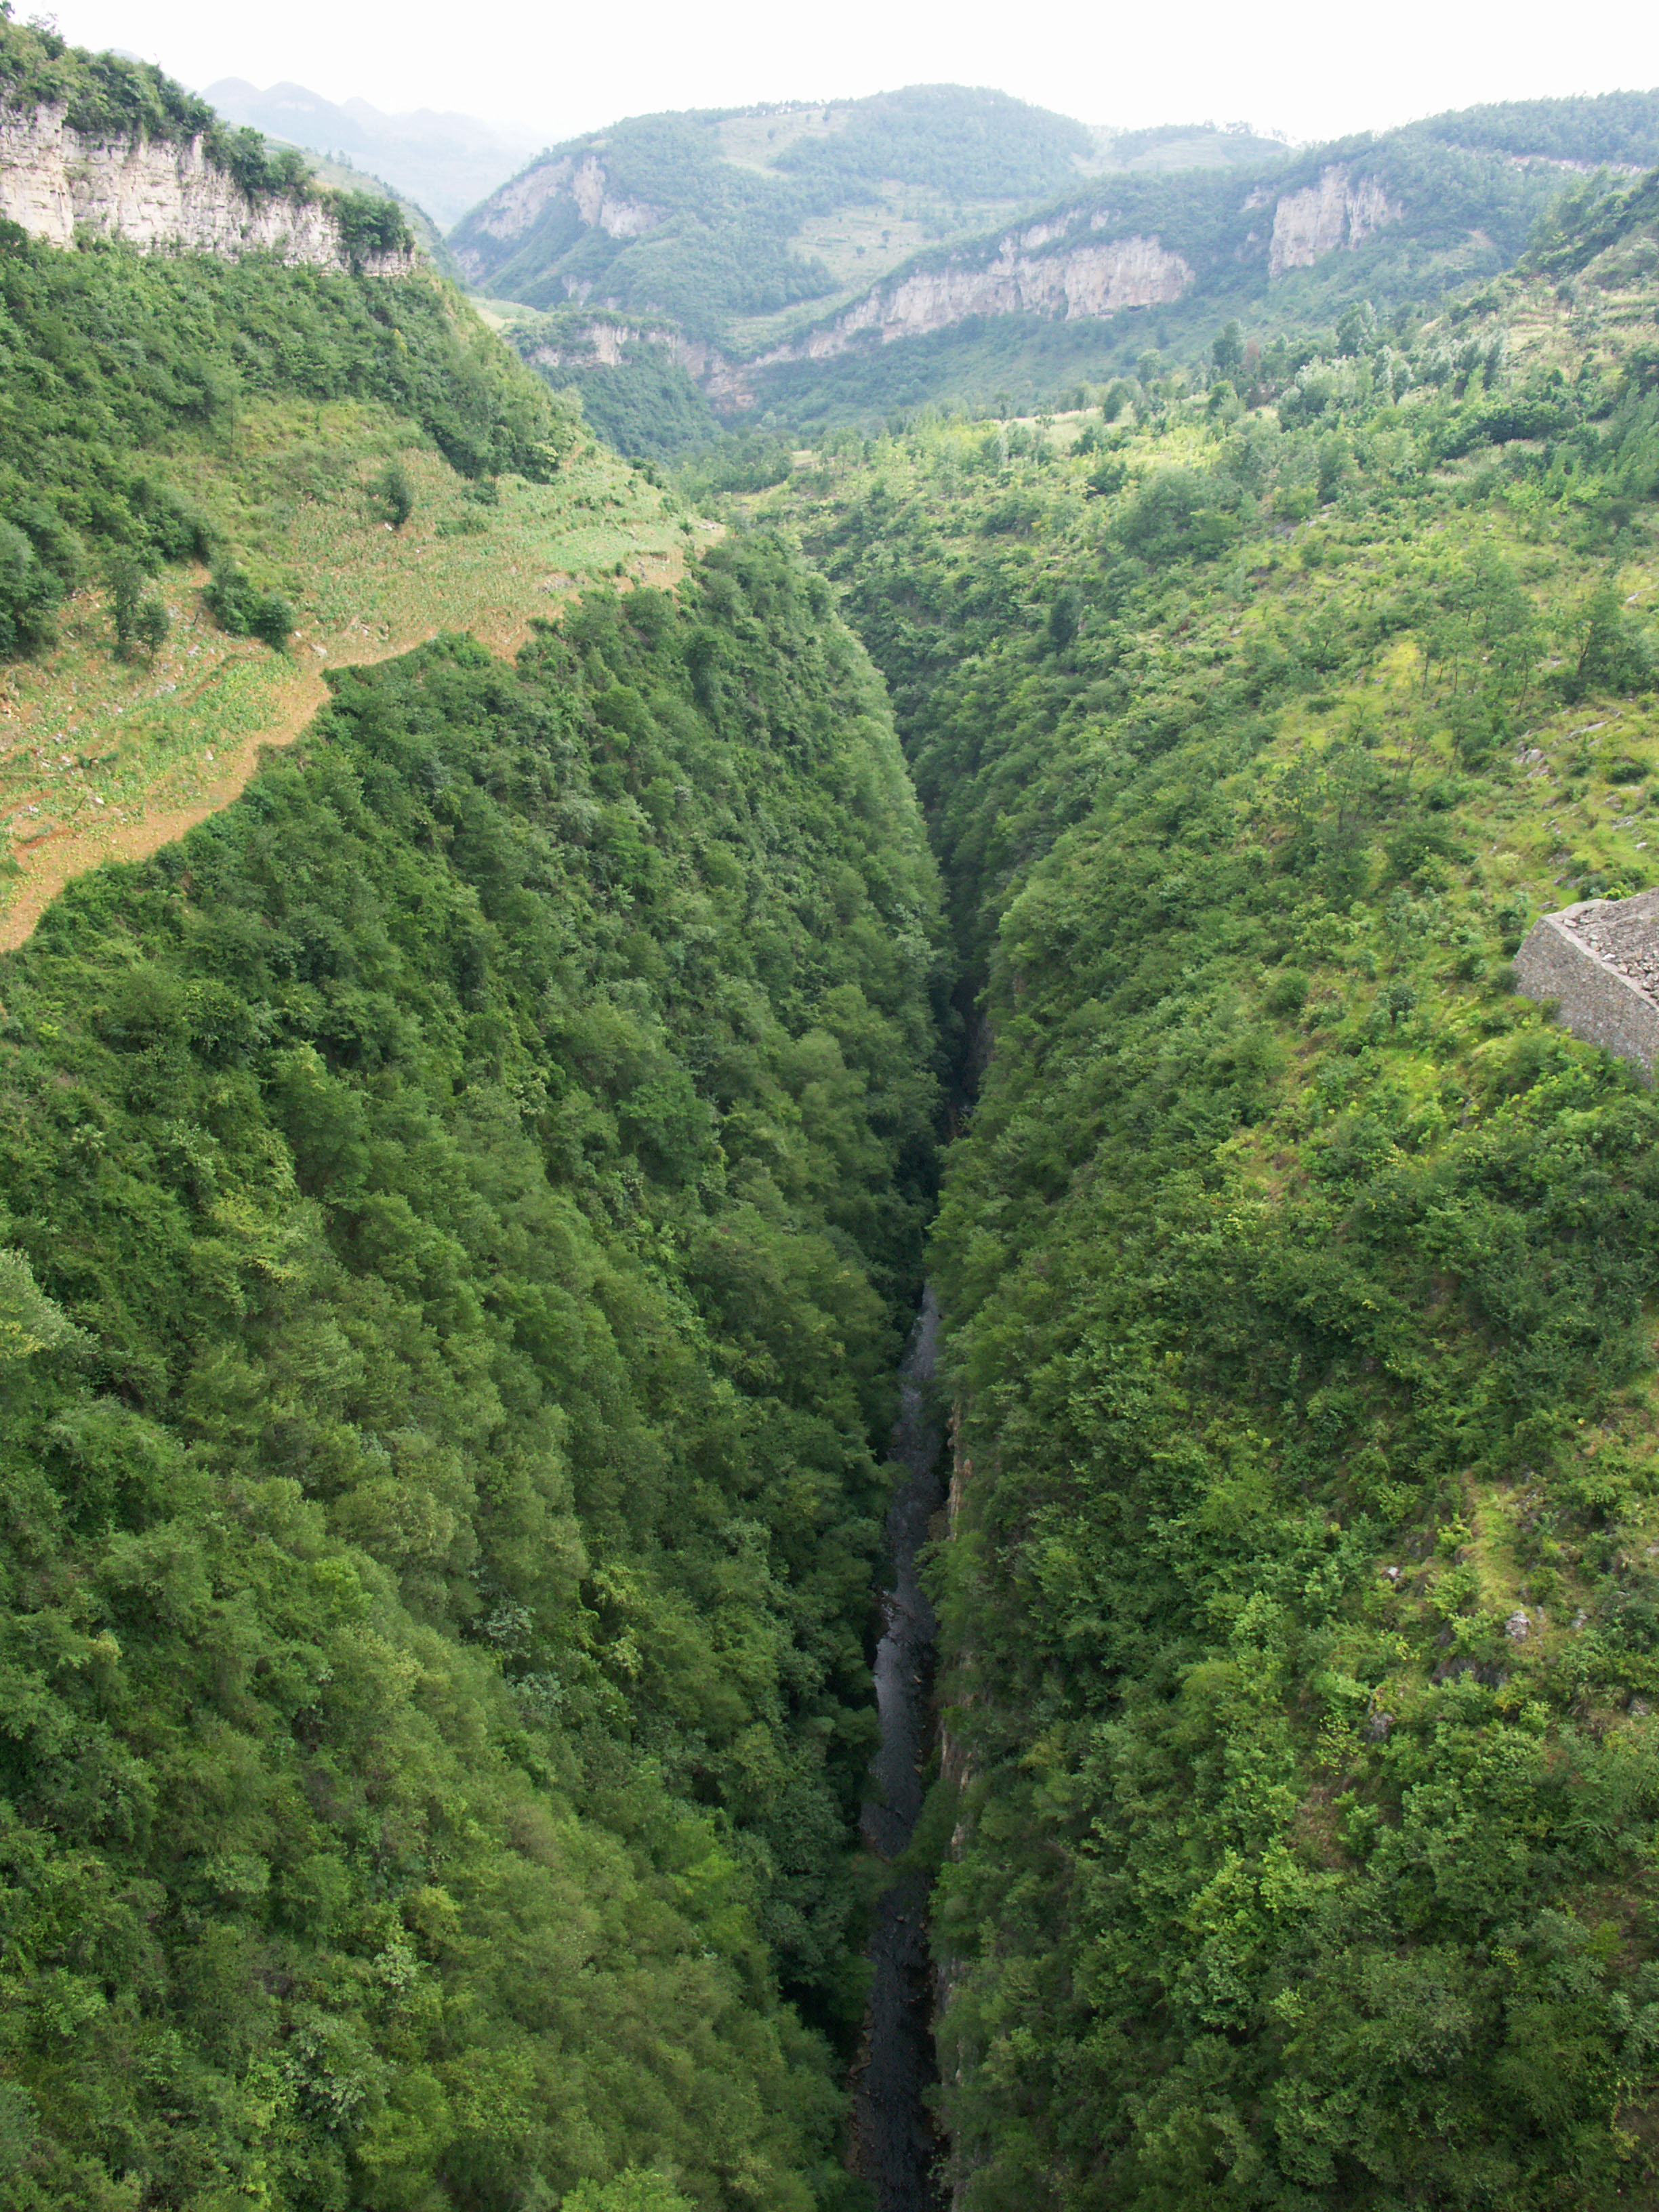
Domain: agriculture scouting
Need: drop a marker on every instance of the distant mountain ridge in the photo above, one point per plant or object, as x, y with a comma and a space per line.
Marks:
446, 162
720, 216
833, 260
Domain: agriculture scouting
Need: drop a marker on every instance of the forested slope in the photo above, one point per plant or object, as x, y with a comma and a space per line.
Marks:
947, 246
119, 365
217, 477
1298, 1781
1396, 218
697, 214
460, 1208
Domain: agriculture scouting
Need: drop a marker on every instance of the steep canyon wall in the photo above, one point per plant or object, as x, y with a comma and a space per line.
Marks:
55, 180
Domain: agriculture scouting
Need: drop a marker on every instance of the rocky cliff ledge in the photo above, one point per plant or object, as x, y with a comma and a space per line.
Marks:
155, 193
600, 342
1091, 277
511, 213
1341, 210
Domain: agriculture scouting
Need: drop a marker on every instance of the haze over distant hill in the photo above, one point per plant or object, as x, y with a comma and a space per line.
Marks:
942, 242
670, 247
446, 163
725, 218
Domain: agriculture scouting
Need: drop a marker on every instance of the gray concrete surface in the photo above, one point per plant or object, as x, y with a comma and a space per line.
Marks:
1600, 962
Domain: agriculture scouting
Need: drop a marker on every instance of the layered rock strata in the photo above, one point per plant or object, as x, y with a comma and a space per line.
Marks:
155, 193
515, 209
602, 344
1340, 210
1094, 277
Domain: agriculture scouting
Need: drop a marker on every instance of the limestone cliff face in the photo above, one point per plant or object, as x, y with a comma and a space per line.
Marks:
1095, 276
515, 208
1062, 265
1340, 210
601, 343
1080, 274
154, 194
512, 212
602, 210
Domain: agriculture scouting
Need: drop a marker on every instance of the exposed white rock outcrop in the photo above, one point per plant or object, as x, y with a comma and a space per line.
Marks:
601, 343
1094, 277
512, 210
1576, 168
516, 207
601, 209
154, 193
1340, 210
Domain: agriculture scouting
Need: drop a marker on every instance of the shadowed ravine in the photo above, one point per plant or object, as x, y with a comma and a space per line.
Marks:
894, 2143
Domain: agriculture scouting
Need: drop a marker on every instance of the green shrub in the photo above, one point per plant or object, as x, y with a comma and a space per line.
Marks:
395, 490
1287, 992
1181, 513
29, 592
240, 607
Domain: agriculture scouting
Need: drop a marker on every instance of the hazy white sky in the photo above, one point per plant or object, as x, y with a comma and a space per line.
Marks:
1314, 69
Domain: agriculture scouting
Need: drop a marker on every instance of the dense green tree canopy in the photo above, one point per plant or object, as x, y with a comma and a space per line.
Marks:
460, 1208
1296, 1793
459, 1211
969, 145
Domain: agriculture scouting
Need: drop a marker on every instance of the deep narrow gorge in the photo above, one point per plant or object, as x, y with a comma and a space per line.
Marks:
1294, 1271
463, 1224
895, 2136
1011, 927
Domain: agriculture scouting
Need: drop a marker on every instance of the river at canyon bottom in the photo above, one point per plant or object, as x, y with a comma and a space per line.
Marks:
893, 2145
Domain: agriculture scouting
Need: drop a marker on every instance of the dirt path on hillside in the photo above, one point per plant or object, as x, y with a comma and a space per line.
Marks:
45, 868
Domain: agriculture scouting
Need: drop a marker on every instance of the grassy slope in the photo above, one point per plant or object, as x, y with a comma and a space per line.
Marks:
100, 757
157, 412
1300, 1775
